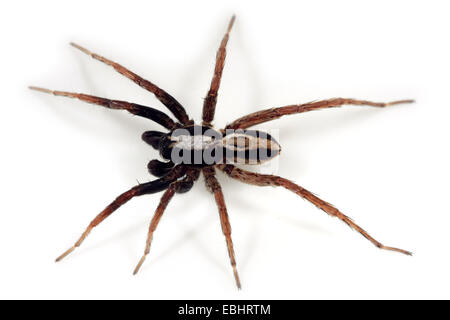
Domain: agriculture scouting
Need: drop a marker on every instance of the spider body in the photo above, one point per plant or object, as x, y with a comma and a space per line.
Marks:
192, 149
202, 146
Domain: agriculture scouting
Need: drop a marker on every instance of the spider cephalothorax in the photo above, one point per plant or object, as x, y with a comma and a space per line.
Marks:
189, 149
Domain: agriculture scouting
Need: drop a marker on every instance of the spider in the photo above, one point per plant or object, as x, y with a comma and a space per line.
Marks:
234, 144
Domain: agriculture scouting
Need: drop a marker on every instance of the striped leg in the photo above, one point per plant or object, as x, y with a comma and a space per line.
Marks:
209, 105
181, 186
275, 113
269, 180
136, 109
145, 188
214, 186
170, 102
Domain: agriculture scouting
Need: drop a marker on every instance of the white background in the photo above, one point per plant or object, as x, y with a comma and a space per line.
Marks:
63, 161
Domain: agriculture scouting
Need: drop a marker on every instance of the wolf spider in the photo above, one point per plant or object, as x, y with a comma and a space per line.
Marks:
179, 177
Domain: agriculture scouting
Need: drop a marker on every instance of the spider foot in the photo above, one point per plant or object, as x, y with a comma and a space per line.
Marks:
399, 102
136, 270
40, 89
236, 277
82, 49
66, 253
76, 245
395, 249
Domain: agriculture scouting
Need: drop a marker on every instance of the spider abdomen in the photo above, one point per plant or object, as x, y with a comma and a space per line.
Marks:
249, 147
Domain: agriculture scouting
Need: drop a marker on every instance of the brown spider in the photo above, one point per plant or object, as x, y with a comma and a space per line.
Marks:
190, 149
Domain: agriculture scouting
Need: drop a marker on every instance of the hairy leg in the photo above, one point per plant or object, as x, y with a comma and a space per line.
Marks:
214, 186
275, 113
209, 105
165, 199
145, 188
270, 180
170, 102
179, 187
136, 109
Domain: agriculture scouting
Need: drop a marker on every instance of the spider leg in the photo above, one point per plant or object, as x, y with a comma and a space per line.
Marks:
209, 105
159, 168
170, 102
136, 109
165, 199
275, 113
141, 189
214, 186
270, 180
186, 184
179, 187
